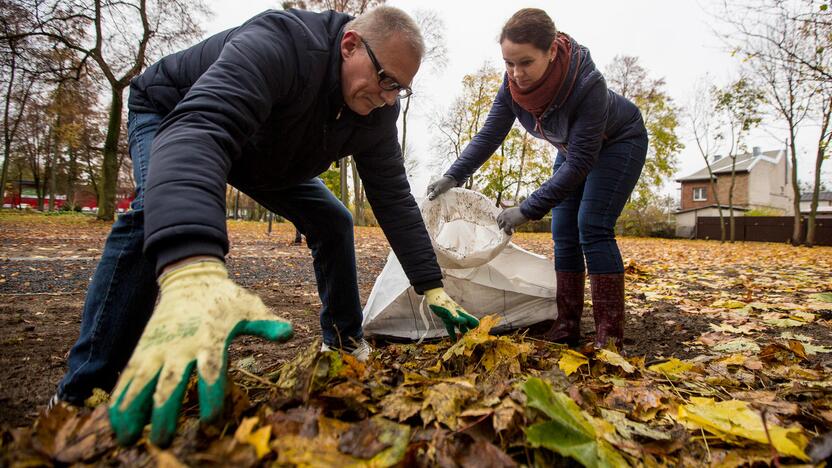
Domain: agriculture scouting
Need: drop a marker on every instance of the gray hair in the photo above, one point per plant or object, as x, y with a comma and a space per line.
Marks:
383, 22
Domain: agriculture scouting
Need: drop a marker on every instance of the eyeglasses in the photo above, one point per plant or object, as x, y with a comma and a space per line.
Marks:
385, 82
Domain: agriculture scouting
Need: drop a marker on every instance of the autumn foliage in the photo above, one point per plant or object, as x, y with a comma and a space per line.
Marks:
727, 362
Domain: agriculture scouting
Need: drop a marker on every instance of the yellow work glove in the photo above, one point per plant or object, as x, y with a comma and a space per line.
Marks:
200, 311
452, 314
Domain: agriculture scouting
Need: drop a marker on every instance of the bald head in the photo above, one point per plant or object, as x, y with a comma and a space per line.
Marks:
382, 23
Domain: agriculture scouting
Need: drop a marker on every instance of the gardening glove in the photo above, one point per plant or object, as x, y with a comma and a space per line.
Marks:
200, 311
441, 186
451, 313
510, 218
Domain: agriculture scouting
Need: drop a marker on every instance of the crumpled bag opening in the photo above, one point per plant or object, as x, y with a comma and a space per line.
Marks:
462, 225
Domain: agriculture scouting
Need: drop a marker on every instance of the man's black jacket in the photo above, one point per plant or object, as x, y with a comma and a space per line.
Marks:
260, 106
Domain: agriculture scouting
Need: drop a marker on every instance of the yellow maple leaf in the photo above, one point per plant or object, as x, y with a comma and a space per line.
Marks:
615, 359
570, 361
258, 439
734, 419
672, 368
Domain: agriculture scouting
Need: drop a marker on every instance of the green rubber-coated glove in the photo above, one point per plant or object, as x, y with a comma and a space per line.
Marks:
452, 314
200, 311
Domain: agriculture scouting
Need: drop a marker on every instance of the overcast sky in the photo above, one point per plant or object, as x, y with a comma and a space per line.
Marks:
673, 40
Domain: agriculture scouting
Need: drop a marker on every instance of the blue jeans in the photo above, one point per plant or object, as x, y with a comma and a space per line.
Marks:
583, 225
122, 294
328, 227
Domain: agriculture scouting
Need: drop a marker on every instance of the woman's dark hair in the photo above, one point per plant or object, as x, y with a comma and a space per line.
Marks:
530, 26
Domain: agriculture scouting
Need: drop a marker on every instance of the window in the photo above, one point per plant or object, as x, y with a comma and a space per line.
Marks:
699, 194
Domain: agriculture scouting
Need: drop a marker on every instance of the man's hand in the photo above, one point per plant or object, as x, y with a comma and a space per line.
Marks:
510, 218
199, 312
452, 315
441, 186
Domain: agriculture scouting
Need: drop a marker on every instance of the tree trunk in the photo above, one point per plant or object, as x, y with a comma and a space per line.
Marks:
731, 198
345, 193
7, 136
522, 166
823, 146
798, 220
71, 179
718, 205
358, 193
53, 150
109, 176
404, 127
236, 204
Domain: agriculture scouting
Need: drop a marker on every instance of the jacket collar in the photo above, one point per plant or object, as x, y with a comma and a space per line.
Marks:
575, 62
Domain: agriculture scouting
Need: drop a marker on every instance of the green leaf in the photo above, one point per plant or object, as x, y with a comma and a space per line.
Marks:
569, 432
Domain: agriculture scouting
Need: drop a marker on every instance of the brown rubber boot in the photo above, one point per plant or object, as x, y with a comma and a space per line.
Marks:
570, 300
608, 309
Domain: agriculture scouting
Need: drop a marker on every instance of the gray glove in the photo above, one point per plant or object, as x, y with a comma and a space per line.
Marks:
510, 218
441, 186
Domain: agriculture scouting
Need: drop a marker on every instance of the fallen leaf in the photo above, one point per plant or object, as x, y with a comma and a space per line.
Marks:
629, 428
729, 304
258, 439
672, 368
823, 297
734, 420
570, 361
737, 345
568, 432
443, 402
615, 359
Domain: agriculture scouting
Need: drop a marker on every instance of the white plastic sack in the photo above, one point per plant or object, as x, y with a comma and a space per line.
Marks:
484, 273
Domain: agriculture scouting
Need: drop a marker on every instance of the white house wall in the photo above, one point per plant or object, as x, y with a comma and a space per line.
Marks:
770, 186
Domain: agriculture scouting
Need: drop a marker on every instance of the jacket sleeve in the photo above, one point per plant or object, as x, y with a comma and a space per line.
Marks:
197, 142
586, 136
388, 191
488, 139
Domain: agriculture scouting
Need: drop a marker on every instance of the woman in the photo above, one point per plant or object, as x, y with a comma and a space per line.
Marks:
552, 86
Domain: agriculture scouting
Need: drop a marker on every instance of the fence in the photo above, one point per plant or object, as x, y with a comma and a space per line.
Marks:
763, 228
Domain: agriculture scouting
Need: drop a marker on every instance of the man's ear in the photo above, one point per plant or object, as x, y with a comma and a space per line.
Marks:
349, 44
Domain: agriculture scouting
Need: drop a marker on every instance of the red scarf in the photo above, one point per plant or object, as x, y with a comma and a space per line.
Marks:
537, 97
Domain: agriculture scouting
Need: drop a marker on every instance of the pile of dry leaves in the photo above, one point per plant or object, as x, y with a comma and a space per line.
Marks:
483, 401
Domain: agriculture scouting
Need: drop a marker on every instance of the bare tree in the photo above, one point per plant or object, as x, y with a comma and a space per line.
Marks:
630, 79
774, 41
18, 80
703, 122
436, 58
119, 37
738, 104
467, 114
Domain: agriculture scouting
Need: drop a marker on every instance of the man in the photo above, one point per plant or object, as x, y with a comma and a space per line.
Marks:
266, 107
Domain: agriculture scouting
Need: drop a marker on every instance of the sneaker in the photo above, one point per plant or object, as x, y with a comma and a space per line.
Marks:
361, 351
53, 402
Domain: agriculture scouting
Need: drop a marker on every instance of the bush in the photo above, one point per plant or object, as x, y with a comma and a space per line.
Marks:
541, 225
764, 212
651, 219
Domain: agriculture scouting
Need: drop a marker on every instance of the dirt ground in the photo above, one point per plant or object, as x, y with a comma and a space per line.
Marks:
46, 263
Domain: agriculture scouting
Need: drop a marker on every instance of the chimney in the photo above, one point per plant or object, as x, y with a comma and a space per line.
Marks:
757, 151
717, 157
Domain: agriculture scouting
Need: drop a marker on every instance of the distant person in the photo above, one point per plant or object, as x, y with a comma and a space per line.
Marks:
298, 237
266, 107
552, 87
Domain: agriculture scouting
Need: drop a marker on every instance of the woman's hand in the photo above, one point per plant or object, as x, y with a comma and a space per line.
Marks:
510, 218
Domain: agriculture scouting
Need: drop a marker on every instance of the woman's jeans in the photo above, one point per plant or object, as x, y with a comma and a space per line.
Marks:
583, 224
122, 293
